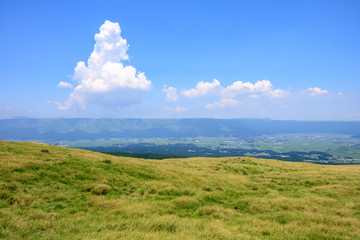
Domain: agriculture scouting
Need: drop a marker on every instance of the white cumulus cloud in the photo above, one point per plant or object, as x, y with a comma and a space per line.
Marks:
263, 87
316, 91
64, 85
238, 88
223, 103
176, 109
203, 89
105, 79
171, 93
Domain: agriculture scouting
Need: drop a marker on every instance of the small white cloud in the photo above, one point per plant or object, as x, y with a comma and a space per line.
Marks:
316, 91
64, 85
340, 93
263, 87
223, 103
105, 80
203, 89
171, 94
176, 110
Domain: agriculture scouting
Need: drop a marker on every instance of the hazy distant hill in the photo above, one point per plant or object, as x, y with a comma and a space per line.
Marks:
86, 128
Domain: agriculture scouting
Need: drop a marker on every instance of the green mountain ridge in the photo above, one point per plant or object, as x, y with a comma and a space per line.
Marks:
49, 192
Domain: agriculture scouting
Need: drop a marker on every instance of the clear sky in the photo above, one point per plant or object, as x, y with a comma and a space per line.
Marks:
297, 60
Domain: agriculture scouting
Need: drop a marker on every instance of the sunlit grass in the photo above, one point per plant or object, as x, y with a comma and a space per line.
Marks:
75, 194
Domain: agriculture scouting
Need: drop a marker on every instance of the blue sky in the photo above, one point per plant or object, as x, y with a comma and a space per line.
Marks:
295, 60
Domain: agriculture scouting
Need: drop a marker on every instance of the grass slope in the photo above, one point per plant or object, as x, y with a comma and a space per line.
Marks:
76, 194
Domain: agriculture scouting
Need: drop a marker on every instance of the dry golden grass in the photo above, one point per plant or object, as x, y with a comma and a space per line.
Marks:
76, 194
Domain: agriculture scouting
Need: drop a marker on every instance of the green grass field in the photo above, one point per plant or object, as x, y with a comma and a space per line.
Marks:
65, 193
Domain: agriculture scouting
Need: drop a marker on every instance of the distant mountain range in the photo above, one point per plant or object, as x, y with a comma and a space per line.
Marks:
88, 128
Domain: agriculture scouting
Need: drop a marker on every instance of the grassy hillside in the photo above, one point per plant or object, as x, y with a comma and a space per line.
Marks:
67, 193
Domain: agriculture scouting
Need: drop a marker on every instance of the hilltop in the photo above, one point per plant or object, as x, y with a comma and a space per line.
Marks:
50, 192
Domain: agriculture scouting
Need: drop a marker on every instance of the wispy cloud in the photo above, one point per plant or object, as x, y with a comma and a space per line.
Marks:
6, 107
354, 115
176, 109
223, 103
105, 80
